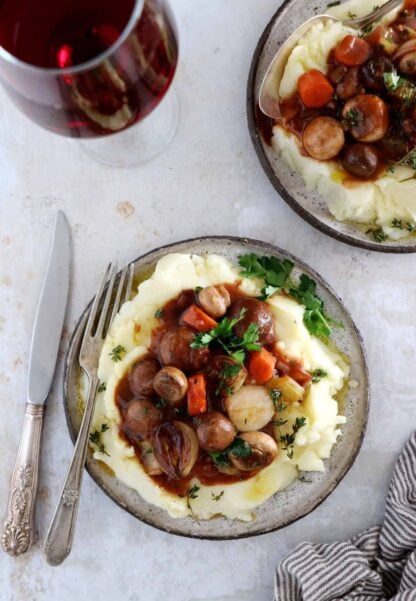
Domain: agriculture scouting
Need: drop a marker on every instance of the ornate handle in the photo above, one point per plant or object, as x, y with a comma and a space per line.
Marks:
58, 542
18, 530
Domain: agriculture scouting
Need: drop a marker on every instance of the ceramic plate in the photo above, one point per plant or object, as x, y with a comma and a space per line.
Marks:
308, 204
284, 507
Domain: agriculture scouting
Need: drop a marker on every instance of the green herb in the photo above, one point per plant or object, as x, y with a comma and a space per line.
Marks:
217, 497
318, 374
274, 272
314, 317
351, 15
332, 4
378, 234
159, 313
161, 404
365, 31
117, 352
276, 396
376, 7
95, 438
239, 448
398, 224
288, 440
224, 336
353, 117
193, 492
198, 289
102, 387
393, 81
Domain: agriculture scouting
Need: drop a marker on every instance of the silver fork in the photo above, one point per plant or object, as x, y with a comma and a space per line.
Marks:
58, 542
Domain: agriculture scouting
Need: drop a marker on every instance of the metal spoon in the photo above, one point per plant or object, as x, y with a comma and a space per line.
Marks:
269, 89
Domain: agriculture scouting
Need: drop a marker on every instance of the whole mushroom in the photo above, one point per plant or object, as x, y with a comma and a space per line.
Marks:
215, 300
261, 451
171, 384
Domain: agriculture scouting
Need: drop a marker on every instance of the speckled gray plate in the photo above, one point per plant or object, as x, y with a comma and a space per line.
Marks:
284, 507
308, 204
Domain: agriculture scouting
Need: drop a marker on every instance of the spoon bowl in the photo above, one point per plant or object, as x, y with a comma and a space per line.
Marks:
269, 99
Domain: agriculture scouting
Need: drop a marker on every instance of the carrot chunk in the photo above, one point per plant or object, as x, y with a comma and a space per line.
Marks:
352, 51
315, 90
197, 318
197, 394
261, 365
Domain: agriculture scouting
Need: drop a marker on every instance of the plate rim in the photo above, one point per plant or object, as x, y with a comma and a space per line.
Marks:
274, 179
366, 388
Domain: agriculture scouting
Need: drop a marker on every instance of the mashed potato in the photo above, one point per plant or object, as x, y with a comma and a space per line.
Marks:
374, 203
132, 328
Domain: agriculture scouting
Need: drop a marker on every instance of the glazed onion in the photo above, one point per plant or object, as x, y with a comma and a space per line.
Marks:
175, 446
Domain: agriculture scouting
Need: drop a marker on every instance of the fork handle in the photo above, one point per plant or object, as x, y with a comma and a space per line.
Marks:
58, 542
18, 530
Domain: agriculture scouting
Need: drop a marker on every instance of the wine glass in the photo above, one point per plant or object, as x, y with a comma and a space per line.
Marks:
92, 68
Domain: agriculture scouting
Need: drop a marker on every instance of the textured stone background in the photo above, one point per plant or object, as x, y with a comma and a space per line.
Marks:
209, 181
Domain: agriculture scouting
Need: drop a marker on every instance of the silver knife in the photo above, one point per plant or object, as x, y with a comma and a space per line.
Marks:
18, 531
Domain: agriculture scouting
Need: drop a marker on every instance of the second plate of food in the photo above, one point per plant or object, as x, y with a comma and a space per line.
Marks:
343, 155
233, 391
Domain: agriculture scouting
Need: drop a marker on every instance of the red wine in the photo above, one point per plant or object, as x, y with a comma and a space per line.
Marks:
128, 75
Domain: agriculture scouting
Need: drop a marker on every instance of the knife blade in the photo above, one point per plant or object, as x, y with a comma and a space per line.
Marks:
18, 530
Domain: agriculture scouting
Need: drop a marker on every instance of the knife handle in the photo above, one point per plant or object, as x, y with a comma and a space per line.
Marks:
18, 529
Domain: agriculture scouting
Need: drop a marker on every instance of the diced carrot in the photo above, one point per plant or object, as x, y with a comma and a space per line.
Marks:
197, 318
197, 394
261, 365
352, 51
315, 90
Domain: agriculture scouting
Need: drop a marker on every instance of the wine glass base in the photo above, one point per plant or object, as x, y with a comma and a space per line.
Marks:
141, 142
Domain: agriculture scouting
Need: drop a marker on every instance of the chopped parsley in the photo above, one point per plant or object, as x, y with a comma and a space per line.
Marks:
288, 440
400, 225
239, 448
315, 318
353, 117
193, 492
117, 352
351, 15
274, 272
393, 81
161, 404
224, 336
378, 234
102, 387
217, 497
95, 438
159, 313
318, 374
229, 371
366, 30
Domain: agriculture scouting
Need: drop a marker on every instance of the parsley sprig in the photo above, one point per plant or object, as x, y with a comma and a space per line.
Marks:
318, 374
229, 372
393, 81
117, 352
224, 336
317, 321
239, 448
274, 272
401, 225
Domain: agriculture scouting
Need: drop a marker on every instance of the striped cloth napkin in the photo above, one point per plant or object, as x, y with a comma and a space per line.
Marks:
376, 565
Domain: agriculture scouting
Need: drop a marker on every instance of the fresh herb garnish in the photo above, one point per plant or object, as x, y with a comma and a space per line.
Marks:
400, 225
193, 492
159, 313
366, 30
274, 272
95, 438
318, 374
314, 317
161, 404
393, 81
229, 371
378, 234
198, 289
239, 448
353, 117
102, 387
117, 352
351, 15
217, 497
276, 396
224, 336
288, 440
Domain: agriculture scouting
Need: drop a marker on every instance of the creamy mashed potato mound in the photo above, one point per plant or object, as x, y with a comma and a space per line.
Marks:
375, 202
132, 329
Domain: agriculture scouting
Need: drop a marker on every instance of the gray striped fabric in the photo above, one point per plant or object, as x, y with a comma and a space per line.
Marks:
376, 565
